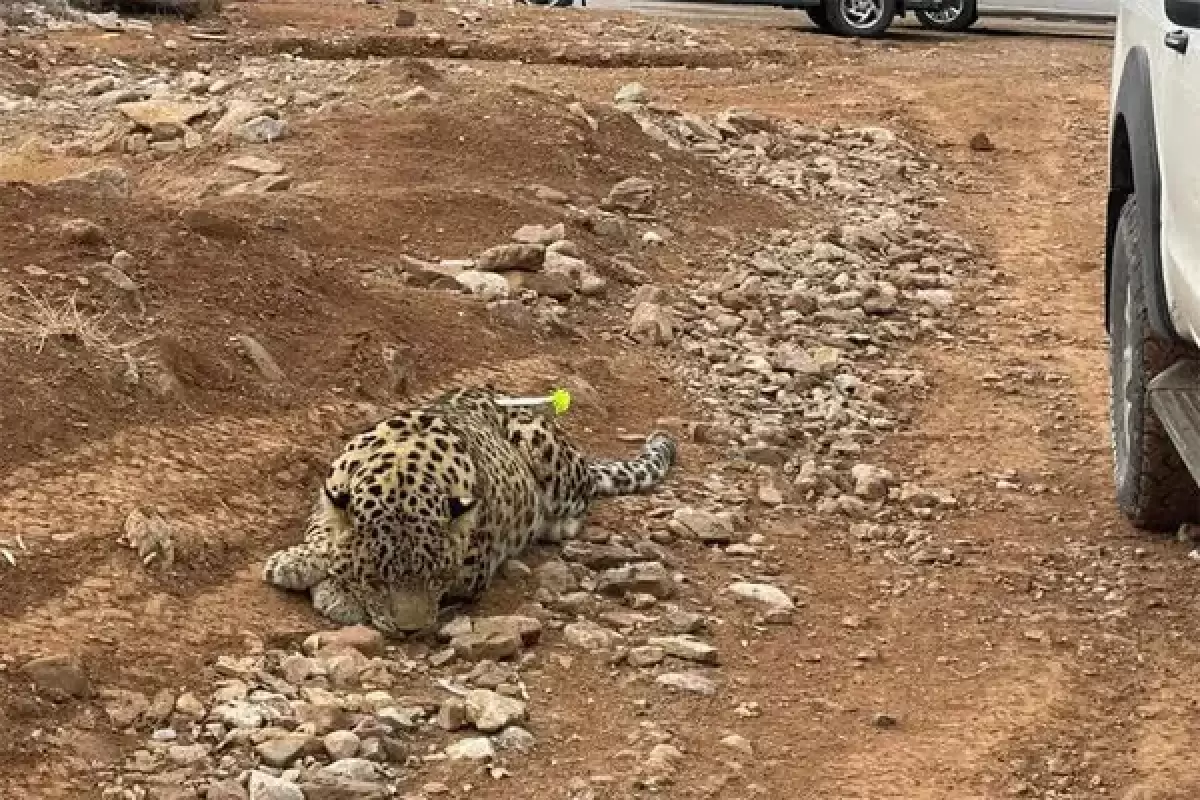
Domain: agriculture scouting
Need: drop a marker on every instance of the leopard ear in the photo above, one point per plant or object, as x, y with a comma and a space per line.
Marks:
460, 506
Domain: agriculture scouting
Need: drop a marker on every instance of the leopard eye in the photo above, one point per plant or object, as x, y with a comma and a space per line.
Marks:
460, 505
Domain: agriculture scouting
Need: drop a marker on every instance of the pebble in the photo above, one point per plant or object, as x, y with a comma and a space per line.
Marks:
341, 744
687, 648
763, 593
283, 750
268, 787
350, 769
515, 739
587, 635
478, 748
490, 712
58, 676
690, 682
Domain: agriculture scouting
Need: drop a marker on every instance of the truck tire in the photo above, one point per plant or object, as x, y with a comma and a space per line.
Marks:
820, 18
955, 17
864, 19
1153, 486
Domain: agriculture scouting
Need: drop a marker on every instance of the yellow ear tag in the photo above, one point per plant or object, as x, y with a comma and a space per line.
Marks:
561, 400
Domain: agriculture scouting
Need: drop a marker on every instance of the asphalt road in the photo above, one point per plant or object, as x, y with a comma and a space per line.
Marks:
769, 15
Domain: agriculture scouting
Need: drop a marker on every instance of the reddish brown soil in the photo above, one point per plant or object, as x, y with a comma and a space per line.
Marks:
1006, 681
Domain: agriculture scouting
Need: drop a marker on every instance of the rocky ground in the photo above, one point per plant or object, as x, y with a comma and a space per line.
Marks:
861, 282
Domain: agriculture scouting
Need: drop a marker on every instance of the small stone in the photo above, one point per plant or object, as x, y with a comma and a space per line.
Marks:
645, 656
58, 676
350, 769
631, 93
882, 720
870, 482
556, 576
400, 719
538, 234
416, 96
708, 528
981, 143
341, 744
228, 789
691, 682
762, 593
494, 646
770, 496
148, 113
124, 708
262, 130
686, 647
239, 714
739, 743
362, 638
256, 166
268, 787
516, 257
404, 18
282, 751
647, 577
635, 195
515, 739
296, 669
528, 629
186, 755
478, 748
488, 285
490, 712
188, 706
652, 324
82, 231
684, 622
587, 635
261, 358
452, 714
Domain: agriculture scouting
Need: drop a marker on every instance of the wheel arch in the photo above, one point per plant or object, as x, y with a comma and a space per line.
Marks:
1134, 169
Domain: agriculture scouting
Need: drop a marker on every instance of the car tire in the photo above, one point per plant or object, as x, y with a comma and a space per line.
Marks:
820, 18
1153, 486
863, 19
955, 17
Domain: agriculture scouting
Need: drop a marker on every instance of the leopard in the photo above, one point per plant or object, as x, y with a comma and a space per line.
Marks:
420, 510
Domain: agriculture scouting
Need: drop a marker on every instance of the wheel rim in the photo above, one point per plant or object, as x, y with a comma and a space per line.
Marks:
862, 14
949, 12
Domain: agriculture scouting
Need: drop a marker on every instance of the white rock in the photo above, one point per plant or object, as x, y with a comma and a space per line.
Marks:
488, 285
587, 635
652, 324
763, 593
341, 744
477, 748
268, 787
633, 93
350, 769
490, 712
515, 738
687, 682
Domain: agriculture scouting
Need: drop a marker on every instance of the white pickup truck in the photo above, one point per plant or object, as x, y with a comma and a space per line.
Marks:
1153, 262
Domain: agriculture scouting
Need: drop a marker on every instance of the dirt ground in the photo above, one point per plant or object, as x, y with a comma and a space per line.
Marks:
1016, 673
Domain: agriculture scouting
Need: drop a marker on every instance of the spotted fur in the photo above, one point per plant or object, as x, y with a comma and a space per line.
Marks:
430, 502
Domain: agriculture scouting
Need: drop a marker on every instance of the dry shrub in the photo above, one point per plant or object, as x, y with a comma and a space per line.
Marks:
34, 321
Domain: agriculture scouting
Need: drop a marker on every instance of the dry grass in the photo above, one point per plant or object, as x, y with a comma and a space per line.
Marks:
36, 321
